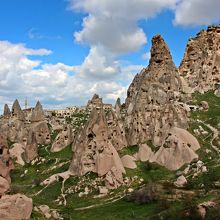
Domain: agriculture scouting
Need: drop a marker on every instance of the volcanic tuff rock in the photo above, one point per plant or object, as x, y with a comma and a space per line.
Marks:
16, 206
17, 128
95, 102
153, 99
179, 148
17, 112
63, 139
200, 66
94, 150
6, 163
31, 149
7, 111
37, 113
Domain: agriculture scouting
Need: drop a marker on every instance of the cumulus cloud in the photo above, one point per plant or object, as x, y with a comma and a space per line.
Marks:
197, 12
114, 23
53, 84
99, 64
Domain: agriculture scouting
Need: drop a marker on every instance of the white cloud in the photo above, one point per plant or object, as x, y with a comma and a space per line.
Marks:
114, 23
197, 12
99, 64
54, 84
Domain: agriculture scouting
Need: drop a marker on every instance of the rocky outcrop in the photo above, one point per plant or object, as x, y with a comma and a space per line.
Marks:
42, 132
63, 139
16, 206
4, 186
37, 113
6, 163
128, 162
200, 66
17, 112
179, 148
31, 149
94, 150
17, 153
116, 130
153, 99
95, 102
7, 111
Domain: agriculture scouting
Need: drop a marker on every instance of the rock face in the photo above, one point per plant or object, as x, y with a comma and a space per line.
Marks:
16, 206
95, 102
116, 130
200, 66
4, 186
63, 139
6, 163
178, 149
38, 113
94, 150
17, 128
153, 99
42, 132
31, 149
17, 112
7, 111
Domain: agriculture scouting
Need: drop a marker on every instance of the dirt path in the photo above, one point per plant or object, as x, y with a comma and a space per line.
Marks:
215, 135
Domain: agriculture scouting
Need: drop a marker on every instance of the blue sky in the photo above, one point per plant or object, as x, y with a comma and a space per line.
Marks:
63, 51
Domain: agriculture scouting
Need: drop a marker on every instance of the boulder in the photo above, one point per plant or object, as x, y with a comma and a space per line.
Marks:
144, 153
16, 206
128, 162
181, 181
205, 105
178, 149
217, 92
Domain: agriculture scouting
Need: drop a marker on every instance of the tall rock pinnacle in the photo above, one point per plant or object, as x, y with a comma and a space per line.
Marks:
38, 113
151, 103
7, 111
17, 112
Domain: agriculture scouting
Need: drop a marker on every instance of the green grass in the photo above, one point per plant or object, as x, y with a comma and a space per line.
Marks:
212, 116
129, 150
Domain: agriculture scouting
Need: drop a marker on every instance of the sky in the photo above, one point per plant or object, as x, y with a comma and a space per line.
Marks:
61, 52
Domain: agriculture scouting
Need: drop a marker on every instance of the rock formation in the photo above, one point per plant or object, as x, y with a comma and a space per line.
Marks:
116, 130
179, 148
93, 148
200, 66
63, 139
16, 206
95, 102
17, 112
7, 111
31, 149
37, 113
153, 99
6, 163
